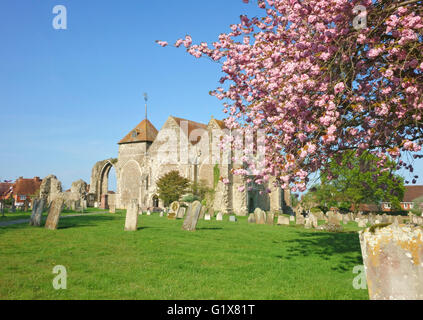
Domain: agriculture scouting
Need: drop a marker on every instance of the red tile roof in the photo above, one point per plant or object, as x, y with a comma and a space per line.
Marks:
412, 193
26, 186
143, 132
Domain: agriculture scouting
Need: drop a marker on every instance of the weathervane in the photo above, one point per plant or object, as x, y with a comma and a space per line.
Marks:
145, 99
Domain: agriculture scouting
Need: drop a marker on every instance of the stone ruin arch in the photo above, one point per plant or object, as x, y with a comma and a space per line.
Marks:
99, 183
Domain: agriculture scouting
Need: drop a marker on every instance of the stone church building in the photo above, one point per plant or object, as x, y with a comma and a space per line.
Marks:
191, 148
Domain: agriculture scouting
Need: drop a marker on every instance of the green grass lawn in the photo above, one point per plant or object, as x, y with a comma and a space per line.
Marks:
221, 260
19, 215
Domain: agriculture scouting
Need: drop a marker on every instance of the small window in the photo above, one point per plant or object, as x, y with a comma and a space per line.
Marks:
134, 134
22, 198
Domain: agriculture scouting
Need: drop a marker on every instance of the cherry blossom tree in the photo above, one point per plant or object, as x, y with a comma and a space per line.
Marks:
321, 77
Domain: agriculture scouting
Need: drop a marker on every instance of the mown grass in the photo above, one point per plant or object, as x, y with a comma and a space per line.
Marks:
20, 215
221, 260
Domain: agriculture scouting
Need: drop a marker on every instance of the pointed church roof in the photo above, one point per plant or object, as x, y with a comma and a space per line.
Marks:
143, 132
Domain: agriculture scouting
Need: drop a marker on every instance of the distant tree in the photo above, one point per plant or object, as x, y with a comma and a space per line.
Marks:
352, 180
418, 206
172, 186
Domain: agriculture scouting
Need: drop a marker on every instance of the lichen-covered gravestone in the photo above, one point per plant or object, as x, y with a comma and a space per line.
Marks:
37, 212
393, 260
174, 207
54, 214
191, 219
131, 221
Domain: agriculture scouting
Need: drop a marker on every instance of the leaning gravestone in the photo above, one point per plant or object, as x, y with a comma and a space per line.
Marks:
392, 258
219, 217
282, 220
131, 220
191, 219
37, 212
54, 214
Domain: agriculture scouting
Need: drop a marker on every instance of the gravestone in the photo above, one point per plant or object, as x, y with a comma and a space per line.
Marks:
260, 216
334, 219
148, 213
84, 205
252, 218
232, 219
207, 217
292, 218
392, 258
112, 208
282, 220
37, 212
131, 220
2, 208
181, 212
270, 219
161, 214
300, 220
174, 207
219, 217
191, 219
308, 223
313, 220
54, 214
202, 212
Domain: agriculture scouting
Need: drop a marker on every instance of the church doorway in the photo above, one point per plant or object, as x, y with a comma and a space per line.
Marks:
155, 201
251, 206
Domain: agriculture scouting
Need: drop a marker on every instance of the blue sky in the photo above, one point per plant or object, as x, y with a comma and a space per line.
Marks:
68, 96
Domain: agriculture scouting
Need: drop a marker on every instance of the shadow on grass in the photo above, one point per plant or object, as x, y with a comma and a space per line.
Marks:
345, 247
64, 222
210, 228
